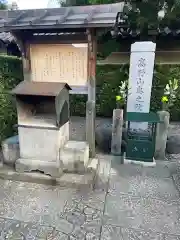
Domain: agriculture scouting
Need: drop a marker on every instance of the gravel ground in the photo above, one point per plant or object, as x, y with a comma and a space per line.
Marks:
174, 128
78, 132
78, 127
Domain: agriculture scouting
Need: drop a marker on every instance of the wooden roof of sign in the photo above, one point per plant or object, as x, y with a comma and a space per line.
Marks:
6, 37
39, 88
65, 17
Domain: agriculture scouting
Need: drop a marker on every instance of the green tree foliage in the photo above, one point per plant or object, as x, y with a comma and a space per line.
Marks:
109, 79
143, 14
152, 14
101, 1
3, 4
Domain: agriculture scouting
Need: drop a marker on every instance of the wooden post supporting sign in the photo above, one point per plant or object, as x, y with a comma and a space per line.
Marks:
91, 104
24, 47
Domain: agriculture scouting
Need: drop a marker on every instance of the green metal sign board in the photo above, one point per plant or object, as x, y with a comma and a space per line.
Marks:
141, 143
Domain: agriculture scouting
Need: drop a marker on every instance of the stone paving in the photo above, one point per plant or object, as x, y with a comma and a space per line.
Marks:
129, 203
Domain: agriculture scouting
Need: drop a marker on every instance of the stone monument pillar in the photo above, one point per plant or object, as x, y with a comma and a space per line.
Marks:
140, 84
140, 79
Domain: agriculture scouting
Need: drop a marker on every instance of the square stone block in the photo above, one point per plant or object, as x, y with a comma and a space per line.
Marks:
42, 143
10, 150
75, 156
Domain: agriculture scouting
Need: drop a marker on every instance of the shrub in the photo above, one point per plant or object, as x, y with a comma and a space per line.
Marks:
108, 79
10, 76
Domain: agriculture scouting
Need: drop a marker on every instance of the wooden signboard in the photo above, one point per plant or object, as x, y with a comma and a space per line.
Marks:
59, 63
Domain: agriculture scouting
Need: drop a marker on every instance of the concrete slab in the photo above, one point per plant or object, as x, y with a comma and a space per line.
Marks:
142, 213
67, 180
117, 233
9, 173
161, 170
86, 220
31, 202
51, 168
137, 203
63, 209
143, 182
148, 187
14, 229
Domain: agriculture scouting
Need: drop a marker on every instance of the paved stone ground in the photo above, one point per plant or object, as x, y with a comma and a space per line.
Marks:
129, 203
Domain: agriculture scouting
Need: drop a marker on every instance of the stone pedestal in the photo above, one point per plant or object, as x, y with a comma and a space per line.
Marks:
43, 125
161, 135
39, 148
68, 180
42, 143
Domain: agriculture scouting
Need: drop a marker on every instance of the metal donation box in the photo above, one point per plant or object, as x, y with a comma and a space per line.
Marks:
141, 136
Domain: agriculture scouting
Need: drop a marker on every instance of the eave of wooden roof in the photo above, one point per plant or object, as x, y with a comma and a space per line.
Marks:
94, 16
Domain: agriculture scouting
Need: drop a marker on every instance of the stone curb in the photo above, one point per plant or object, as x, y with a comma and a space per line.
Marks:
70, 180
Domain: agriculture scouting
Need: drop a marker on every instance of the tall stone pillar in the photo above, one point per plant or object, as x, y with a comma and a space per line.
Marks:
117, 132
90, 127
161, 135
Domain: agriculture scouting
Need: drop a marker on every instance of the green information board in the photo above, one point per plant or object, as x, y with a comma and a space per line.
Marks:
141, 142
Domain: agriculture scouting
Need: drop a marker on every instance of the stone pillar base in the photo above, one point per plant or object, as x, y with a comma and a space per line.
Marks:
28, 165
144, 164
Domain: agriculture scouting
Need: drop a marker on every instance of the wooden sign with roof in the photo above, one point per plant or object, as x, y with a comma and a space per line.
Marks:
59, 45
